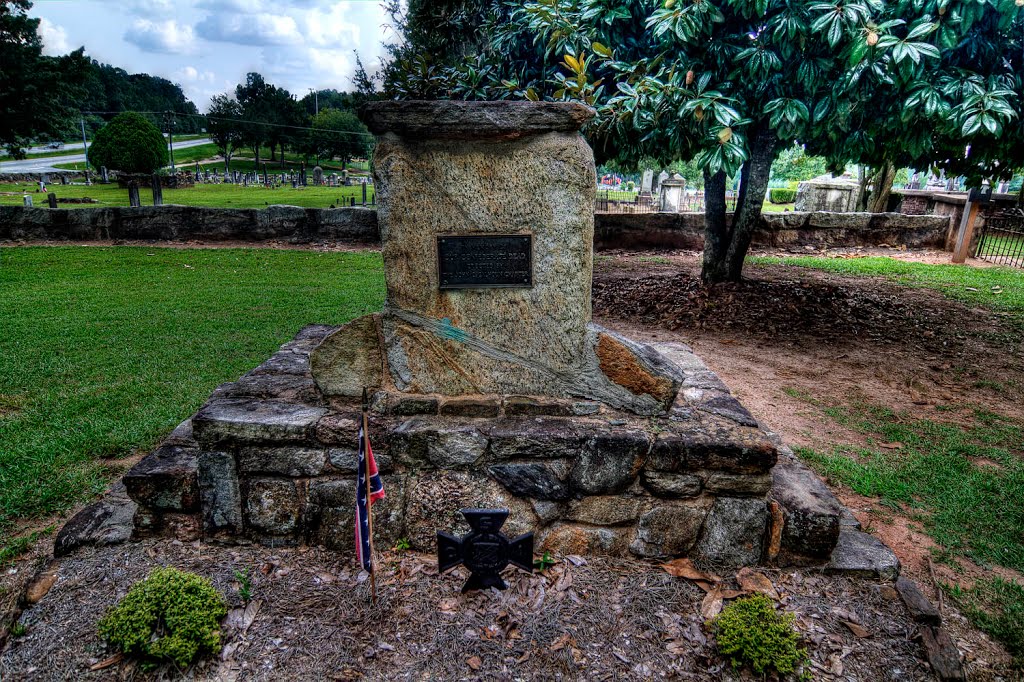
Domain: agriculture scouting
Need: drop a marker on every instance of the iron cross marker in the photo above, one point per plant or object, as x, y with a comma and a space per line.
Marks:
485, 550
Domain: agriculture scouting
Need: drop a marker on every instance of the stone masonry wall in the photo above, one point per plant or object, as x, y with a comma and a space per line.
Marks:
269, 459
292, 223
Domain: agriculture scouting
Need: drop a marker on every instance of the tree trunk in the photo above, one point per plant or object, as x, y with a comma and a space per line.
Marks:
862, 189
273, 146
1020, 195
725, 248
716, 230
882, 189
256, 152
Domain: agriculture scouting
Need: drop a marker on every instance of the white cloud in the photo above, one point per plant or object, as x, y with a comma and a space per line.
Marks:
162, 8
298, 69
192, 75
168, 37
55, 38
331, 28
251, 29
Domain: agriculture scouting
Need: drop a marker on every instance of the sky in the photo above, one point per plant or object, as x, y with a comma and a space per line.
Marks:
207, 46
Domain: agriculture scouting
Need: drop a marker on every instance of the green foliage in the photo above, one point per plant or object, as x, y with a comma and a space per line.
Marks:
750, 632
338, 134
545, 562
18, 629
403, 545
39, 95
793, 165
781, 196
244, 584
223, 126
171, 615
996, 606
129, 143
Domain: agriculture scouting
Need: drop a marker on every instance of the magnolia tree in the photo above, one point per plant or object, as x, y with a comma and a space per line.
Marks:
732, 83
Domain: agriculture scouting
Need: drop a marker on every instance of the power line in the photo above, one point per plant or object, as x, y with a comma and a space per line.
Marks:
238, 120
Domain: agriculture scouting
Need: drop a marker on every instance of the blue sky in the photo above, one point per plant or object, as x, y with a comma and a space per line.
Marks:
207, 46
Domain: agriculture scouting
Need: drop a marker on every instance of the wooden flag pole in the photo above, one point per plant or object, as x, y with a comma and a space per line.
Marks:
369, 501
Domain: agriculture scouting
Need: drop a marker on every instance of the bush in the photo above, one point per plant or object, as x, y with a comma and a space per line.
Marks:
171, 615
130, 144
750, 632
781, 196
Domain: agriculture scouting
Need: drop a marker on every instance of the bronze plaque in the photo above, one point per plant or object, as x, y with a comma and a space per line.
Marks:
485, 261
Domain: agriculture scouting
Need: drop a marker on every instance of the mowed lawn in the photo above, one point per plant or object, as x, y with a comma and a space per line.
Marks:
105, 350
222, 196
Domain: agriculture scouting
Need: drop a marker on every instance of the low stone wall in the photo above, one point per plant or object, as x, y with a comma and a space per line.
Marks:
818, 229
172, 222
611, 230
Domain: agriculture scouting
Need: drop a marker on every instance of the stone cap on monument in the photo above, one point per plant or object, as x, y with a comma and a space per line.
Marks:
452, 119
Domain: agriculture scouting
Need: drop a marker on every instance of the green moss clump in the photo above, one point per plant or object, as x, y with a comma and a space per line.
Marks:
750, 632
171, 615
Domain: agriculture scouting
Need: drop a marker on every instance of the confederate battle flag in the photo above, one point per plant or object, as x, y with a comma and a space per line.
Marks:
364, 524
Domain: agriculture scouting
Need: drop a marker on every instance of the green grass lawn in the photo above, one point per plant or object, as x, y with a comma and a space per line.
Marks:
998, 288
224, 196
105, 350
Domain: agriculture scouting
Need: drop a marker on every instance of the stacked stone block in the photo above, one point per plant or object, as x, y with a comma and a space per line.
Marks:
270, 459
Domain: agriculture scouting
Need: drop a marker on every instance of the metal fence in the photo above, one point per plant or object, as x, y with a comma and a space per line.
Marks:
1002, 238
621, 201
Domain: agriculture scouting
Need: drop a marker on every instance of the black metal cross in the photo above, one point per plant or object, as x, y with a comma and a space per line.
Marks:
485, 550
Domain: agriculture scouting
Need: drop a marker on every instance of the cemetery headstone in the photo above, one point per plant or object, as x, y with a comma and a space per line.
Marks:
51, 199
104, 175
265, 178
318, 176
364, 192
672, 194
26, 199
133, 194
662, 177
302, 175
42, 186
158, 191
647, 182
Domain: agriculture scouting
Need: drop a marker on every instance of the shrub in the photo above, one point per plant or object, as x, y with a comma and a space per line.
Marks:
129, 143
781, 195
171, 615
750, 632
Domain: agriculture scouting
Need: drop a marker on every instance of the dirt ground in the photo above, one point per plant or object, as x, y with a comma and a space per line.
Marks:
310, 618
825, 336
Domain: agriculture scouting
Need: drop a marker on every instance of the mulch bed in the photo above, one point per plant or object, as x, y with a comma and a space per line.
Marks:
592, 618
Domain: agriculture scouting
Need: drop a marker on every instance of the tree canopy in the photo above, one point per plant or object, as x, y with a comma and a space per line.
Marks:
129, 143
337, 134
732, 83
37, 93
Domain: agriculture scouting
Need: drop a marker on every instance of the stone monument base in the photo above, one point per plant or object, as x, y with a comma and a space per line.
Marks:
269, 459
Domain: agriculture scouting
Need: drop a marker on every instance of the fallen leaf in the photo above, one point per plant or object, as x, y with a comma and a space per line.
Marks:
684, 568
561, 642
858, 630
104, 664
891, 446
756, 581
712, 604
249, 615
564, 582
40, 588
474, 662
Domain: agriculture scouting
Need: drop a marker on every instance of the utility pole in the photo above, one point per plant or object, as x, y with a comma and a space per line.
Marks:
316, 101
169, 122
85, 145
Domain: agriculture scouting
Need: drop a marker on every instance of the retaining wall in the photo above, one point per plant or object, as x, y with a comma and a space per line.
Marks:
172, 222
612, 230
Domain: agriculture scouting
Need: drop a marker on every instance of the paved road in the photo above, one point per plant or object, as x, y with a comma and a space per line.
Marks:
45, 165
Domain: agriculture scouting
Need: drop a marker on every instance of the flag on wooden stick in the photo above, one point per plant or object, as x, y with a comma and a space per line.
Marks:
369, 489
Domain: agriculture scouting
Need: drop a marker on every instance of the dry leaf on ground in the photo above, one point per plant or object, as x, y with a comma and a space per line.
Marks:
756, 581
684, 568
